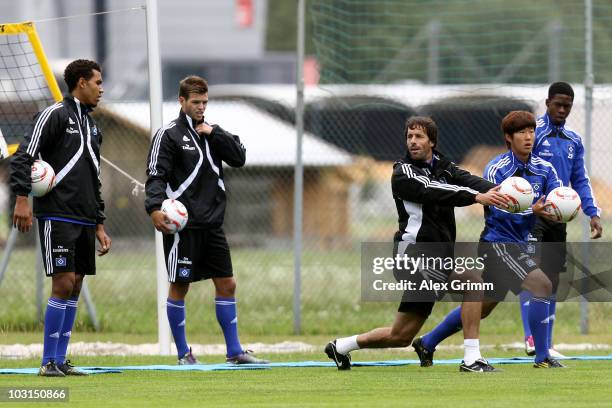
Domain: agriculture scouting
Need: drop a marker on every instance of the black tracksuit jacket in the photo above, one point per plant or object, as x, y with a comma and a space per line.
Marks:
65, 136
188, 167
425, 198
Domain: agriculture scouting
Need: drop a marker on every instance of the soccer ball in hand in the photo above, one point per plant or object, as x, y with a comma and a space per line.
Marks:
564, 204
43, 178
520, 193
176, 213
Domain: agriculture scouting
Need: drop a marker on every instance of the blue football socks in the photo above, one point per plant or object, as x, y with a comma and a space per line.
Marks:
176, 318
449, 326
228, 320
54, 318
538, 321
525, 299
69, 317
552, 308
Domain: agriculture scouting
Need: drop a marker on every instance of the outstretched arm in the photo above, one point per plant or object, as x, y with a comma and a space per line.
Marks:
465, 178
408, 184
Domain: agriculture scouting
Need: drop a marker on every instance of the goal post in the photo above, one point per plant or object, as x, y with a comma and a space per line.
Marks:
156, 112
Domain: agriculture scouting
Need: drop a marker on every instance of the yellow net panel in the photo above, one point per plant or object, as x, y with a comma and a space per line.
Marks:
27, 84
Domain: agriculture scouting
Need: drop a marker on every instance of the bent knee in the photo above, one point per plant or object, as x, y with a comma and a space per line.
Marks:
401, 339
487, 308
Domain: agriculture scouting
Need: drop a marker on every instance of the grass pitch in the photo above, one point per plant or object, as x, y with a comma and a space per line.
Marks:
583, 384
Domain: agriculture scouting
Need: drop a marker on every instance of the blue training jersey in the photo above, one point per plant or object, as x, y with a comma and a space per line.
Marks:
562, 147
501, 225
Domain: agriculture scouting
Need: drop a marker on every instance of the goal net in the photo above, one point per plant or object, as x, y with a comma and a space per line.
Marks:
27, 83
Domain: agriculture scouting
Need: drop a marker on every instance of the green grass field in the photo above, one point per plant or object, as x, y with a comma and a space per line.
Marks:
124, 292
125, 297
583, 384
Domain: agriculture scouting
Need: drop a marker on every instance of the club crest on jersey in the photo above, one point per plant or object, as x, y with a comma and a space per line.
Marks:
537, 190
60, 261
184, 272
570, 152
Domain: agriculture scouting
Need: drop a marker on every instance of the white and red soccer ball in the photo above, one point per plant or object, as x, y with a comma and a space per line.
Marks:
564, 204
176, 213
43, 178
519, 192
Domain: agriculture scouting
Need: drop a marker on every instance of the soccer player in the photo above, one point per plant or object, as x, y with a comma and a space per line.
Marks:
508, 265
562, 147
426, 187
185, 163
70, 216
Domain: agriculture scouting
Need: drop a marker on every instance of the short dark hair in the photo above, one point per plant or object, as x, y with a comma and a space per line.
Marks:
426, 123
562, 88
516, 121
192, 84
78, 69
